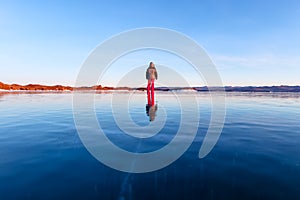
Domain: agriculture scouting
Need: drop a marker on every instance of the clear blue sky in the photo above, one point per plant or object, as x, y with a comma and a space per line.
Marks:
253, 42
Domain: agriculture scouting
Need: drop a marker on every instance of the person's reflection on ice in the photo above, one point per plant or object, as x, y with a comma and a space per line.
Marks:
151, 111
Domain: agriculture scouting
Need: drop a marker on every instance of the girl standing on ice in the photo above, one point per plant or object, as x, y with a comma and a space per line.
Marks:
151, 76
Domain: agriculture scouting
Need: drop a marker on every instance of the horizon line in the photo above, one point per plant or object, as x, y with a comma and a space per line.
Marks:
110, 86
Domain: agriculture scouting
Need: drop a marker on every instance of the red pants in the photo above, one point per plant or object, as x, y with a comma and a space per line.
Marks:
150, 92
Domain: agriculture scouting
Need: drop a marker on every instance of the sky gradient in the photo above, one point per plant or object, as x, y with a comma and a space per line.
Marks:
251, 42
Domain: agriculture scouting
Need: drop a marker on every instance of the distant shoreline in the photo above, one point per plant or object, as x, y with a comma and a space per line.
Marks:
38, 87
